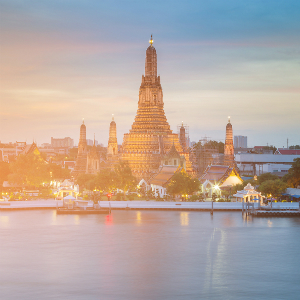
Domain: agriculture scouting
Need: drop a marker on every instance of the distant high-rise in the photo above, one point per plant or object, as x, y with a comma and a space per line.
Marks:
90, 142
66, 142
240, 141
228, 148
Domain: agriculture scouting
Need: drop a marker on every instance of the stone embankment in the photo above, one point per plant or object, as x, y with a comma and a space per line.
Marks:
190, 206
147, 205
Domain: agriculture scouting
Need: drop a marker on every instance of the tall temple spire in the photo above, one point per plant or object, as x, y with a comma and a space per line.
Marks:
112, 147
81, 161
228, 148
151, 61
182, 138
150, 136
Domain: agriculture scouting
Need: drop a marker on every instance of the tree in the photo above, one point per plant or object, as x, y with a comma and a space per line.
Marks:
274, 187
106, 180
210, 145
73, 153
58, 172
266, 176
296, 147
240, 186
29, 170
4, 172
124, 177
85, 180
182, 183
271, 147
293, 177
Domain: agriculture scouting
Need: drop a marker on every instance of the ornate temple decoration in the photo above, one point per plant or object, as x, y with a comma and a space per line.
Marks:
150, 136
228, 149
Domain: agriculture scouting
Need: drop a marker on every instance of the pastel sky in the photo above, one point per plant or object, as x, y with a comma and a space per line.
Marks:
64, 60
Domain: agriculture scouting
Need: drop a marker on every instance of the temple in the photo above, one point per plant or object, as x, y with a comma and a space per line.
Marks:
228, 148
93, 160
150, 136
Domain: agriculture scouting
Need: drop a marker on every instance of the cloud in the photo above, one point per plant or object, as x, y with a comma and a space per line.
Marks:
65, 60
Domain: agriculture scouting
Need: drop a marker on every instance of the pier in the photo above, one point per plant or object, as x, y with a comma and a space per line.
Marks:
284, 209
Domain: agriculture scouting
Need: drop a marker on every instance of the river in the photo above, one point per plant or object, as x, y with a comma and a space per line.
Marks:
148, 255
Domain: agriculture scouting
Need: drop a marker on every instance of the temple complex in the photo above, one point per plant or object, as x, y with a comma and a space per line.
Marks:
150, 136
93, 161
228, 148
81, 161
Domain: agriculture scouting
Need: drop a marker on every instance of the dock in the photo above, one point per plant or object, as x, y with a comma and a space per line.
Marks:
277, 213
76, 211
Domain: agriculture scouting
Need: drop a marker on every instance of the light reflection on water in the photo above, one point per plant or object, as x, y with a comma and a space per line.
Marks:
147, 255
184, 218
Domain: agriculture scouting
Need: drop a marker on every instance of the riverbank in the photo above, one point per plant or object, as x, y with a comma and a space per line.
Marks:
143, 205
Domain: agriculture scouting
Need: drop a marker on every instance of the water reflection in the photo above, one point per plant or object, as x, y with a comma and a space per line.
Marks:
246, 218
109, 220
270, 223
77, 219
216, 250
54, 218
184, 218
4, 221
138, 217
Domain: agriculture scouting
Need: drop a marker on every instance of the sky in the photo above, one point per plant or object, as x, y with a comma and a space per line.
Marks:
62, 61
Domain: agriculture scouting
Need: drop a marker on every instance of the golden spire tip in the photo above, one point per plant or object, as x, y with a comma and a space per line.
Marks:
151, 41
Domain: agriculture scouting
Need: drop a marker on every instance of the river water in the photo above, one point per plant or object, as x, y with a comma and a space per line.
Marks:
148, 255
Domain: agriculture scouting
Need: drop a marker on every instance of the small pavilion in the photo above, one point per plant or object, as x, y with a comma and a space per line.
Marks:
248, 194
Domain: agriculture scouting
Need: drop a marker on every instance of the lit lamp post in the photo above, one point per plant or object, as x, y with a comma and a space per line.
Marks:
217, 189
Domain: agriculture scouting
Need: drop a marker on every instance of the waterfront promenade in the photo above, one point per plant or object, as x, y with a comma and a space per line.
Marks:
144, 205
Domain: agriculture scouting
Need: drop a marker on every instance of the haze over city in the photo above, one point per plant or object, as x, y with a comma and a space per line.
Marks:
65, 61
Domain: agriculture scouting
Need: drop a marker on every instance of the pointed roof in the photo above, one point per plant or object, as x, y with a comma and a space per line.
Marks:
173, 153
164, 175
218, 173
30, 149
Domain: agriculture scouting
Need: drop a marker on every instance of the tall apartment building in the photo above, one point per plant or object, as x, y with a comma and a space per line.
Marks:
240, 141
66, 142
90, 142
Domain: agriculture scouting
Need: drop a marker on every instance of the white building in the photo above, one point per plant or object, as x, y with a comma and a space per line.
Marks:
240, 141
257, 164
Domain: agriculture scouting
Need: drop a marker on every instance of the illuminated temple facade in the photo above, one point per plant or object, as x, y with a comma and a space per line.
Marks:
150, 136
